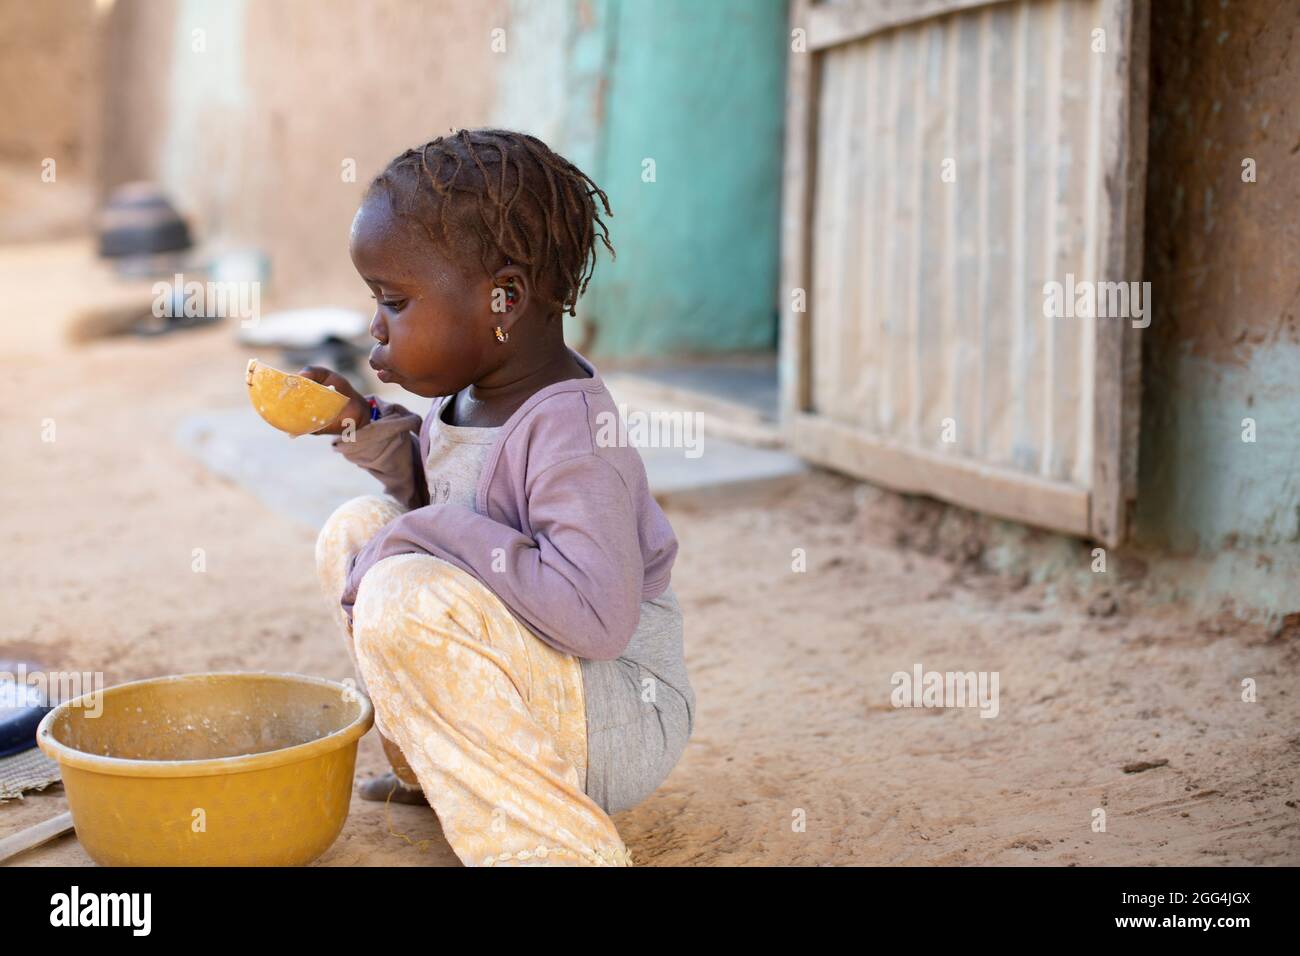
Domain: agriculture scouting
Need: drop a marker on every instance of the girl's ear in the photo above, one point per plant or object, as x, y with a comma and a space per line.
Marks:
510, 295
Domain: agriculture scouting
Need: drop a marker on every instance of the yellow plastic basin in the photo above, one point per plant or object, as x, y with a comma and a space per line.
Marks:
239, 769
291, 403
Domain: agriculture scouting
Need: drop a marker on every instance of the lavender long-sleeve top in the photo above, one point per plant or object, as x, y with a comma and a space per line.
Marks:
564, 530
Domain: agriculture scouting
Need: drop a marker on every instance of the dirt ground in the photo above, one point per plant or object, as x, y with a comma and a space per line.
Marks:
792, 670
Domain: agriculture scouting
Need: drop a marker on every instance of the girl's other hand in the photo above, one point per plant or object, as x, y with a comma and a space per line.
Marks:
357, 408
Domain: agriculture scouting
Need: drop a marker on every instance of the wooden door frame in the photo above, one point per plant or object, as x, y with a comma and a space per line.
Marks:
1100, 511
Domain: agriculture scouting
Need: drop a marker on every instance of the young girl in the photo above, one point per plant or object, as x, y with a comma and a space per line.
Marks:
508, 605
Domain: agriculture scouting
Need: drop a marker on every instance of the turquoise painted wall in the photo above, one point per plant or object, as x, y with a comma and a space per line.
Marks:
1205, 491
1207, 488
699, 89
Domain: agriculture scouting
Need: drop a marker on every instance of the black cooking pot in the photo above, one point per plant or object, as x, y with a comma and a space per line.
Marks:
138, 220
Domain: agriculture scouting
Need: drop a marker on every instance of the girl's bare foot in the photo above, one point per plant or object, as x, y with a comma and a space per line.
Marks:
386, 786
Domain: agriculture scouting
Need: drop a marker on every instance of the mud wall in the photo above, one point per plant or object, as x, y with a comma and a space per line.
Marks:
1223, 256
49, 118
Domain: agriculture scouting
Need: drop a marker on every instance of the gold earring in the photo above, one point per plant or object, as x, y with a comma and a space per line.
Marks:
501, 335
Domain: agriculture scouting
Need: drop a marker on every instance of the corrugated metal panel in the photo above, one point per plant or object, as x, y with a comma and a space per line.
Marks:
927, 295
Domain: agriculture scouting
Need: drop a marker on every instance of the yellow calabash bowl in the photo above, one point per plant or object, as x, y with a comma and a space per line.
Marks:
291, 403
232, 769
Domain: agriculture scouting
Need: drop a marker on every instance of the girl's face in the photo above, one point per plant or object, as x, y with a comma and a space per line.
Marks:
433, 324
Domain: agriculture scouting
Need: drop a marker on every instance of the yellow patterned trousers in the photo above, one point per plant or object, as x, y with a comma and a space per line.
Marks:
487, 718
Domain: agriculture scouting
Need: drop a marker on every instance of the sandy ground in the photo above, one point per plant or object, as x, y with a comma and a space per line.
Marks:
792, 670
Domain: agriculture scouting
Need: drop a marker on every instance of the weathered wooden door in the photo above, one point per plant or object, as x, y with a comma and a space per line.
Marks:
945, 161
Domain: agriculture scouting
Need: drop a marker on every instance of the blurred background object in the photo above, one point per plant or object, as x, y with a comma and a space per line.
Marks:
138, 220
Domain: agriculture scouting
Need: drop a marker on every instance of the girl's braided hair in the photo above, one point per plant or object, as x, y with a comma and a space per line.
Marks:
488, 191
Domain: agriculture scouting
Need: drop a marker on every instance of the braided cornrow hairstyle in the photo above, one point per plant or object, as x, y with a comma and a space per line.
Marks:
503, 196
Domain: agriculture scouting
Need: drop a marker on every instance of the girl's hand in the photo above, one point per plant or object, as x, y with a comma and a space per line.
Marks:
357, 409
